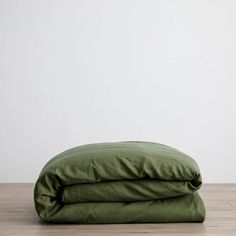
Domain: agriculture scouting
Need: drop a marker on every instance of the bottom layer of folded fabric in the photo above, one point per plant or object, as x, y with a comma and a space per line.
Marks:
187, 208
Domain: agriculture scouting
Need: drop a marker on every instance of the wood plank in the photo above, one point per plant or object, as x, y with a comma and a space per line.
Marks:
18, 217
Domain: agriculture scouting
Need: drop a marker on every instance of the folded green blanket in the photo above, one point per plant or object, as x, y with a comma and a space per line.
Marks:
120, 182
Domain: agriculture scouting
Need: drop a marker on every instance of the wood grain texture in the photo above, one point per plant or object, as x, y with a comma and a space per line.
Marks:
18, 217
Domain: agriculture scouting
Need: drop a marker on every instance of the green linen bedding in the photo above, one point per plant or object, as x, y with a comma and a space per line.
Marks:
120, 182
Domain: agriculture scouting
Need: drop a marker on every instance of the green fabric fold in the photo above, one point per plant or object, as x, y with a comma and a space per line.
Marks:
120, 182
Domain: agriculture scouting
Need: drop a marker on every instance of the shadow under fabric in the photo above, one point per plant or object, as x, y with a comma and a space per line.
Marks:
120, 182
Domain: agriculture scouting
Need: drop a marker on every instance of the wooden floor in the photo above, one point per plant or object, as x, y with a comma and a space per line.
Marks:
18, 217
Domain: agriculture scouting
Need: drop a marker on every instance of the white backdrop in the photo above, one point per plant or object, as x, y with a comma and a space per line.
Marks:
76, 72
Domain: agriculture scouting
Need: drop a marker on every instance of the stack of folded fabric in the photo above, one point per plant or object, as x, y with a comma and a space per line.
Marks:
120, 182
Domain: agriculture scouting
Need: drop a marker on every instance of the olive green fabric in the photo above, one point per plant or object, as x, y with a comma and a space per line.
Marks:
120, 182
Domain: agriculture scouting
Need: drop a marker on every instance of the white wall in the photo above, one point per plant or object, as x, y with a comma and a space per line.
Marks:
76, 72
